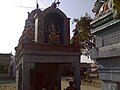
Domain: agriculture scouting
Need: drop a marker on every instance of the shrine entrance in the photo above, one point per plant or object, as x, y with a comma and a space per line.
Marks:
42, 76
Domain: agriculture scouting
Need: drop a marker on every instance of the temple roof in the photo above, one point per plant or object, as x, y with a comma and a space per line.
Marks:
33, 12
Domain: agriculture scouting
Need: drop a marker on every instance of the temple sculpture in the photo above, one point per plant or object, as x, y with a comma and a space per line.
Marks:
106, 29
44, 51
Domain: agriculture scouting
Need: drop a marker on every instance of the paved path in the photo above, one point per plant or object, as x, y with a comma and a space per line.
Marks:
89, 88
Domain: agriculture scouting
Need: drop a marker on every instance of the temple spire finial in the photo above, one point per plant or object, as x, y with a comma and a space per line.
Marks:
54, 5
37, 5
58, 3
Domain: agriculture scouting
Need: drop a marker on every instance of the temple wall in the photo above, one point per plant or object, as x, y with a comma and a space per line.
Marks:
106, 29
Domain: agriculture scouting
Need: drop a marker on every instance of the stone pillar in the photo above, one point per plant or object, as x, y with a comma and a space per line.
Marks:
19, 77
26, 75
18, 82
107, 51
59, 78
76, 67
109, 73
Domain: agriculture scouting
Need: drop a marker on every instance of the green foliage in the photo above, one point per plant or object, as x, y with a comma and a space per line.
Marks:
82, 30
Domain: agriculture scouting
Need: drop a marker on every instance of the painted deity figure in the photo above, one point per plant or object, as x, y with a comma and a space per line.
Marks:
106, 6
53, 31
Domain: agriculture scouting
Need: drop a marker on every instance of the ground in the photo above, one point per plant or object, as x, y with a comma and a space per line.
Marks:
7, 85
95, 85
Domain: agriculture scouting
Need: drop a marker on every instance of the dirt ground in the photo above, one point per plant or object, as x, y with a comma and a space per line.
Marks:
64, 84
84, 86
7, 86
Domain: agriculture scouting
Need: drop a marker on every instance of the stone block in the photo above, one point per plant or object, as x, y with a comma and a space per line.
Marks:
94, 53
109, 51
99, 41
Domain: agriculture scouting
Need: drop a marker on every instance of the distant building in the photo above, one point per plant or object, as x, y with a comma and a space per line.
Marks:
5, 65
13, 67
92, 67
88, 70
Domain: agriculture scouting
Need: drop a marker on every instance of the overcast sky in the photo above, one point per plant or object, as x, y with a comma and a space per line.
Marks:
13, 14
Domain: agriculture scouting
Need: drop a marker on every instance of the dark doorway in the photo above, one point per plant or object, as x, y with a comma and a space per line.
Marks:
44, 75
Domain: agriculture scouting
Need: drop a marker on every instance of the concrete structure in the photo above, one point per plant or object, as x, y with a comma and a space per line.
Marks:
44, 50
106, 28
5, 66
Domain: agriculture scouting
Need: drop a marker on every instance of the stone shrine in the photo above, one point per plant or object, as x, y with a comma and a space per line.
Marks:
44, 51
106, 28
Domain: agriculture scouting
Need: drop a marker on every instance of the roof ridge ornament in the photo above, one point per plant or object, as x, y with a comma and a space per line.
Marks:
54, 5
58, 3
37, 6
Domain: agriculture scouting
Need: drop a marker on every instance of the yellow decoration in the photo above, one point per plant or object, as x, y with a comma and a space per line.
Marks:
116, 3
116, 8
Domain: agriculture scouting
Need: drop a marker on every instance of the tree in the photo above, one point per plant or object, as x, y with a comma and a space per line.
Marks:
82, 35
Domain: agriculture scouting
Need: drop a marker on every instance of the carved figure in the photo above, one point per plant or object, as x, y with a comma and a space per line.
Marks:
97, 6
102, 6
110, 4
53, 32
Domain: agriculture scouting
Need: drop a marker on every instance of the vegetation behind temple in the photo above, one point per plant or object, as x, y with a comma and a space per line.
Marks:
81, 33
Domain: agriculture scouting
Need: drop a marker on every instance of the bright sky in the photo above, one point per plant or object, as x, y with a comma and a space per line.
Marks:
12, 17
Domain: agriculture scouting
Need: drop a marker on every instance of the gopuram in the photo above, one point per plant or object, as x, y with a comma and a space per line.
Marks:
44, 51
106, 29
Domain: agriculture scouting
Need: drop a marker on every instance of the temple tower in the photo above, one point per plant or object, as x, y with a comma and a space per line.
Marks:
106, 29
44, 50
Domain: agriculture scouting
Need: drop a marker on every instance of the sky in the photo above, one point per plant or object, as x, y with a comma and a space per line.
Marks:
13, 14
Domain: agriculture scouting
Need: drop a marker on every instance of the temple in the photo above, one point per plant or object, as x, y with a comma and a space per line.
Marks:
44, 51
106, 29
